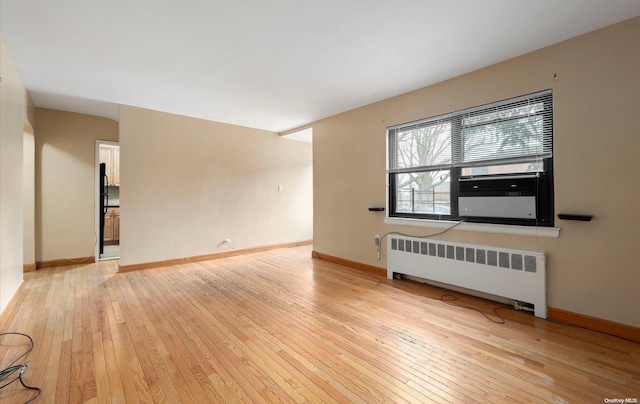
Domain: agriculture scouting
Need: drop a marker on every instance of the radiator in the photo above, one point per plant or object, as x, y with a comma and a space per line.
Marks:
508, 273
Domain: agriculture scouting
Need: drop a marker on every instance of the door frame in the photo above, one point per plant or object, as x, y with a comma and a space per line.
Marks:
96, 209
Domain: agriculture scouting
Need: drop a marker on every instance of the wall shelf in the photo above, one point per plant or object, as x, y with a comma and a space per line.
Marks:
582, 218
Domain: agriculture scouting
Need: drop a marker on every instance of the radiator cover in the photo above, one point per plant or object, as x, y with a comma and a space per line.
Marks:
513, 274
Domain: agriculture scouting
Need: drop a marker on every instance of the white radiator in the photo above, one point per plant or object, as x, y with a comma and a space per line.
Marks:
513, 274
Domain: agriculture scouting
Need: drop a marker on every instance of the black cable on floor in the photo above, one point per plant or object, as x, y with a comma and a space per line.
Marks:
447, 299
20, 369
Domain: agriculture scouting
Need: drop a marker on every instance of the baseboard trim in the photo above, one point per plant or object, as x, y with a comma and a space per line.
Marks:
594, 323
207, 257
65, 262
348, 263
29, 267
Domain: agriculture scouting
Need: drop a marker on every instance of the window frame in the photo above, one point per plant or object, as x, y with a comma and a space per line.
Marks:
544, 190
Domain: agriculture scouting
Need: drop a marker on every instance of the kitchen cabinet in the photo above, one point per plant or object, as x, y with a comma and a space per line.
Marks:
116, 225
115, 166
112, 226
111, 157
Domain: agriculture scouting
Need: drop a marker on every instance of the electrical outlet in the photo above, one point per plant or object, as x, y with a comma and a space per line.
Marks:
377, 239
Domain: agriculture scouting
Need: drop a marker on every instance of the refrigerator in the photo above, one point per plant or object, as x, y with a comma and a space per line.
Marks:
104, 201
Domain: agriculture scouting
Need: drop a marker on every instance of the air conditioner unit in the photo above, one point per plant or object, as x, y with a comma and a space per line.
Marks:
512, 196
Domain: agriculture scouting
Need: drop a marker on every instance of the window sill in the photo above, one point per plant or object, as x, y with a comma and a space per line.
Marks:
547, 232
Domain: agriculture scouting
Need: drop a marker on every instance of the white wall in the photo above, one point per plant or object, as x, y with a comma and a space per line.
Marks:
13, 113
186, 184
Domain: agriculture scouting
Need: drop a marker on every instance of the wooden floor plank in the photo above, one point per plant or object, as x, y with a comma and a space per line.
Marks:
280, 326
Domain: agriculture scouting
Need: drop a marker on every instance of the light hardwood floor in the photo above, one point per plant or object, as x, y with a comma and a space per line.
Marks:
279, 326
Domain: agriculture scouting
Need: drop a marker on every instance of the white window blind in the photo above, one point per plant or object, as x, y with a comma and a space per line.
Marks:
507, 131
510, 131
427, 144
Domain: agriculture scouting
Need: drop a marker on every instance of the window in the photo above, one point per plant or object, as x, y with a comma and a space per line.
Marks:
488, 164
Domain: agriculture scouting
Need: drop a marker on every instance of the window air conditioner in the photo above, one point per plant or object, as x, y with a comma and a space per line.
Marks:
512, 196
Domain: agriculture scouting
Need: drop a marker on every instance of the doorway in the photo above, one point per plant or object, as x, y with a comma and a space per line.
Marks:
108, 200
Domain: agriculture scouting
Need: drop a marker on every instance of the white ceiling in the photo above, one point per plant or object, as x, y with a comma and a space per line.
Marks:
272, 64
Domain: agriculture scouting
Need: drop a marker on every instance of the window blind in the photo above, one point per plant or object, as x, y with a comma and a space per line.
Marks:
509, 131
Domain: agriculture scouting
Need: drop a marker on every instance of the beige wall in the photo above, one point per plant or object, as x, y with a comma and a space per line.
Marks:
186, 184
592, 268
28, 189
28, 186
13, 114
65, 182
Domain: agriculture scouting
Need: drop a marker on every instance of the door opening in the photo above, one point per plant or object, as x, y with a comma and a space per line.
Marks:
108, 200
